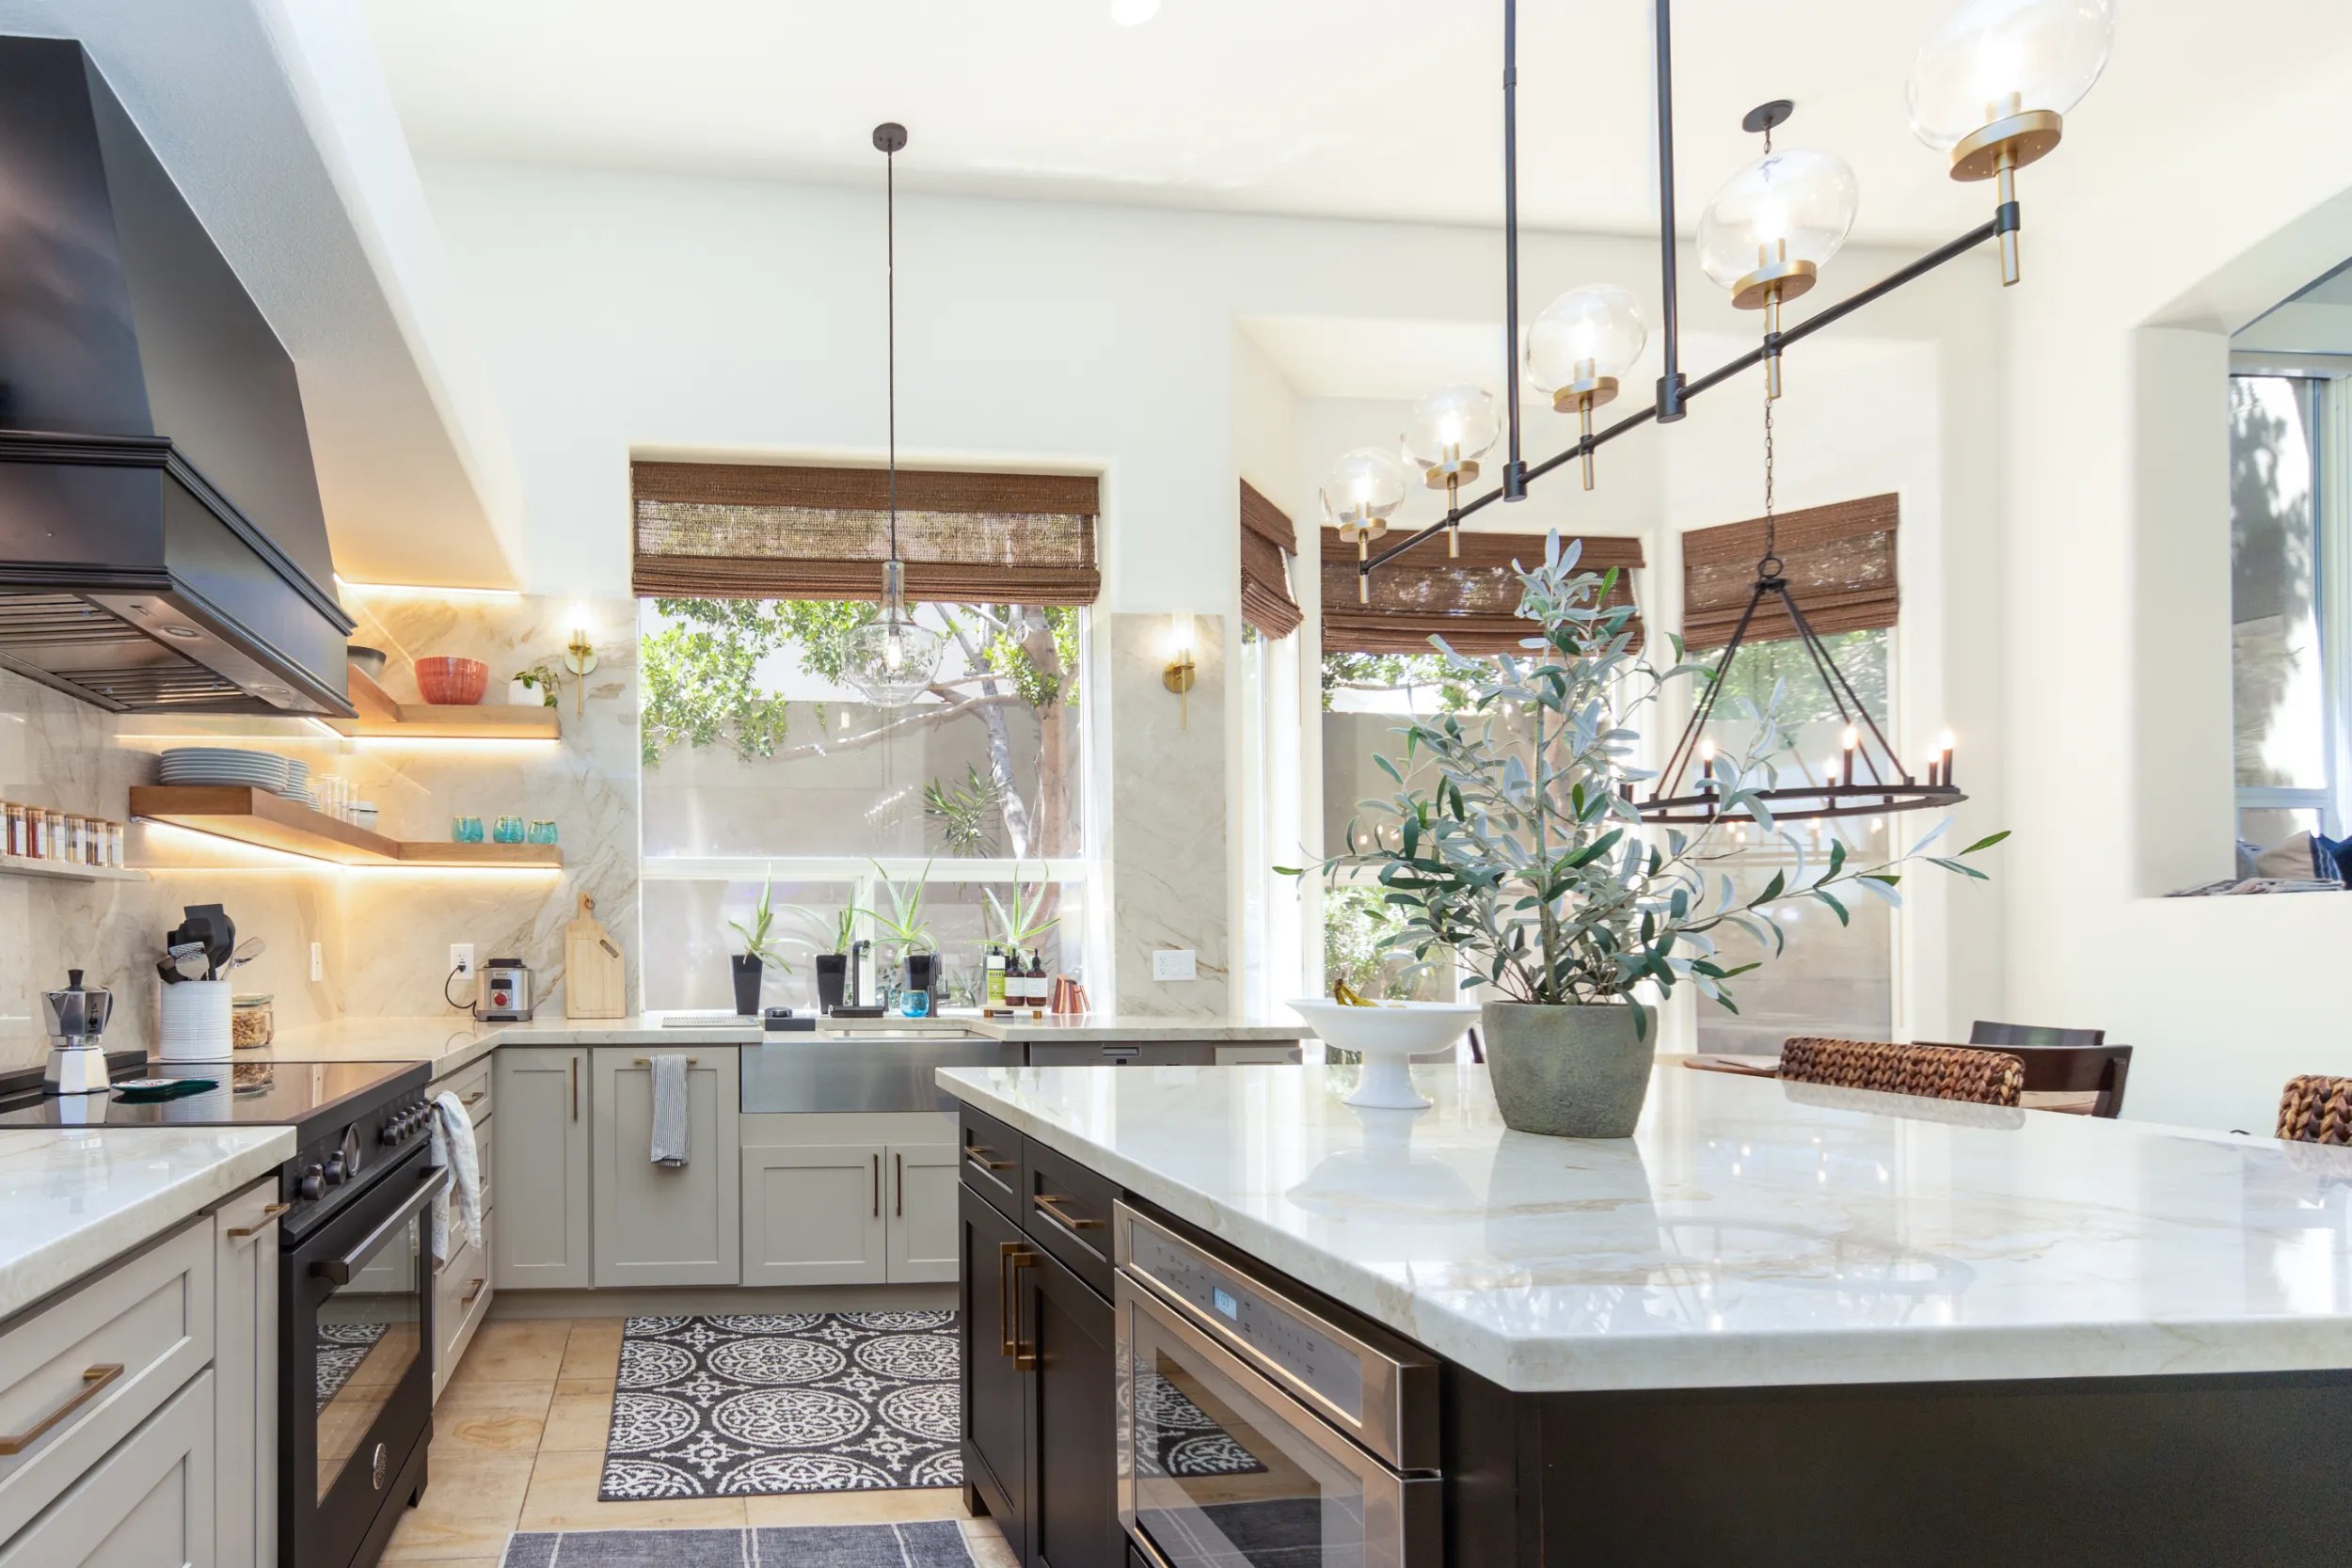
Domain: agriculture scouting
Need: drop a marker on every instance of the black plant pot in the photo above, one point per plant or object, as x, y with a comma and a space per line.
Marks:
749, 973
833, 970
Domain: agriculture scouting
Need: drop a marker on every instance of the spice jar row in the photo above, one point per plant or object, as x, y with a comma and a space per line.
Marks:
38, 833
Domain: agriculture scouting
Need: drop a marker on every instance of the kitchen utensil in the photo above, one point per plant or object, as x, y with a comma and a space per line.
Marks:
367, 661
595, 982
248, 950
76, 1017
189, 962
506, 991
508, 829
223, 938
446, 682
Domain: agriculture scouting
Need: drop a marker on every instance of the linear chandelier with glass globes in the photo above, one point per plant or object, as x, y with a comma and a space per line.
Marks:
1989, 89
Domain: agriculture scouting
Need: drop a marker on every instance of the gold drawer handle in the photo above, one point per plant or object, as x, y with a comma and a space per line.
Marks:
979, 1154
648, 1061
238, 1232
472, 1295
93, 1379
477, 1097
1050, 1204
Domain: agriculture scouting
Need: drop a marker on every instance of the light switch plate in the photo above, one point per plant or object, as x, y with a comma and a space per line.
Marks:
461, 960
318, 960
1173, 963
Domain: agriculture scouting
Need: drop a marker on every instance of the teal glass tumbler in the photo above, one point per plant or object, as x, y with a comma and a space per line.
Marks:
542, 832
465, 829
508, 830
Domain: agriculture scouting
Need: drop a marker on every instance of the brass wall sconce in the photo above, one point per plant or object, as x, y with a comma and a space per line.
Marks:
580, 657
1178, 677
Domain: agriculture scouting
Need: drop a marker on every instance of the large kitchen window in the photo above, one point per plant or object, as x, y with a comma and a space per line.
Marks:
2286, 705
935, 824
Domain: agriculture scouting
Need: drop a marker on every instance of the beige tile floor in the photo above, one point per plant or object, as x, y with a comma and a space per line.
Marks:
519, 1444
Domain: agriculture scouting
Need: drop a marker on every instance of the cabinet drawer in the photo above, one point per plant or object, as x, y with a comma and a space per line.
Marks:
989, 1155
473, 1088
461, 1295
149, 1501
1066, 1209
80, 1374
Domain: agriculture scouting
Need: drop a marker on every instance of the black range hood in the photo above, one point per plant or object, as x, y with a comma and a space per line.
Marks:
162, 546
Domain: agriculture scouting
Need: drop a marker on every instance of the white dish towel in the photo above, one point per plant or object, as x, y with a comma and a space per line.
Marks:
669, 1111
453, 1147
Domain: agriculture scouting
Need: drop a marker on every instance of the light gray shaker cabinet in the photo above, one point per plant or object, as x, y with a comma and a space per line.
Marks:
540, 1160
654, 1224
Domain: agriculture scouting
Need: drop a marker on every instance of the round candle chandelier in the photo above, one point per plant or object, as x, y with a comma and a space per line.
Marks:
891, 662
1990, 88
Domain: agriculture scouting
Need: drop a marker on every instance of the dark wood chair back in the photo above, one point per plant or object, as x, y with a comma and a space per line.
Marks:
2317, 1110
2063, 1061
1984, 1032
1931, 1072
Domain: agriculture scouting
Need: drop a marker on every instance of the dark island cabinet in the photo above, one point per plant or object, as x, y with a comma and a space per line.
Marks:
1039, 1373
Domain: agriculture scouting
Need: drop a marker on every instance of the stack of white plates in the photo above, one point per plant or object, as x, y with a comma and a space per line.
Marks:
220, 765
297, 782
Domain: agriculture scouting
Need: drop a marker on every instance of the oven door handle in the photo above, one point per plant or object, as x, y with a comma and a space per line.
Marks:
340, 1270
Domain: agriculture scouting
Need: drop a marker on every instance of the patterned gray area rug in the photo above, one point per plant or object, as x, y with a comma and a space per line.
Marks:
341, 1348
771, 1404
937, 1543
1187, 1441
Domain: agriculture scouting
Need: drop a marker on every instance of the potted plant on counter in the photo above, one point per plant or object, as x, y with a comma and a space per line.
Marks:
1523, 854
833, 939
760, 949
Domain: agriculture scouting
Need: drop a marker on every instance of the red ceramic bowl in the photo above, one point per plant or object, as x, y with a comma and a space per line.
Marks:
452, 682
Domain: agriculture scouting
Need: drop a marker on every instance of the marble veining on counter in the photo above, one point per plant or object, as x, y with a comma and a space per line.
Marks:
1750, 1234
75, 1200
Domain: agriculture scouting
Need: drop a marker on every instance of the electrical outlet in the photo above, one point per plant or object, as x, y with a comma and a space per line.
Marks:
318, 960
1173, 963
461, 960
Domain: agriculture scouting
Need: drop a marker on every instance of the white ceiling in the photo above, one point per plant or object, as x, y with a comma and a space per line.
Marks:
1356, 109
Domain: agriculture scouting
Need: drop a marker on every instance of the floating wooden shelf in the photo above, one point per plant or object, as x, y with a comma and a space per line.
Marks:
381, 718
66, 871
257, 816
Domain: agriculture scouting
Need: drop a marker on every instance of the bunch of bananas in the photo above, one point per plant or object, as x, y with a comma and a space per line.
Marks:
1349, 996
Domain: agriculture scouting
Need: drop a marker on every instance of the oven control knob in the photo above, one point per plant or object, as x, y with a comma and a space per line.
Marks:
336, 1174
311, 1182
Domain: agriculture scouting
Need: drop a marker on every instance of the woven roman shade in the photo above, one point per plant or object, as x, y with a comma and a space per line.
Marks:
1472, 602
1838, 560
1267, 543
737, 530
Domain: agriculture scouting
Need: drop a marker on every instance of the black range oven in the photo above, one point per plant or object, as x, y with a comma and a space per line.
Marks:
356, 1382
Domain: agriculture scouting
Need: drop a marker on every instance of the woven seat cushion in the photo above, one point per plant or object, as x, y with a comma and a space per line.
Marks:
1931, 1072
2317, 1110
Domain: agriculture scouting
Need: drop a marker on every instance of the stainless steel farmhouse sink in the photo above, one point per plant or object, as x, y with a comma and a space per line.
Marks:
865, 1071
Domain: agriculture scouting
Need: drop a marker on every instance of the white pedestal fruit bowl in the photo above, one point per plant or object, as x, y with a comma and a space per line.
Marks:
1389, 1035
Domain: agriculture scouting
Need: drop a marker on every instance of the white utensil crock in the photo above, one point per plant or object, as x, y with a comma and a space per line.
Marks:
194, 1023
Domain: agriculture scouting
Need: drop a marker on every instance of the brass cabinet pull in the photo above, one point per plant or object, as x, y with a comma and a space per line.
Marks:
471, 1296
1049, 1204
1023, 1357
93, 1379
878, 1186
573, 1066
979, 1154
898, 1174
1005, 1253
269, 1212
477, 1097
648, 1061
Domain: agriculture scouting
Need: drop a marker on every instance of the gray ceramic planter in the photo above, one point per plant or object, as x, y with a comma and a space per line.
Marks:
1570, 1073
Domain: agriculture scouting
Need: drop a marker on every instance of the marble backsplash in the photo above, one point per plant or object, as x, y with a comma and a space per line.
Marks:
1167, 820
382, 935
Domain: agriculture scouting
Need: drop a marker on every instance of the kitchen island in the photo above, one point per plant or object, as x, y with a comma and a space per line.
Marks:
1781, 1324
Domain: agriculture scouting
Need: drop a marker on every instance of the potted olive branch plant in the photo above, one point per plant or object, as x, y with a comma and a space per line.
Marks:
1527, 859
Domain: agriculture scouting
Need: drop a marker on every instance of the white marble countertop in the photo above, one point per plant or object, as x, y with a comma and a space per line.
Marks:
75, 1200
1752, 1233
451, 1042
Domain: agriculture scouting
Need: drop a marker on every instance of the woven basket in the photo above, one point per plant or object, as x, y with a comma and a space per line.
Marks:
2317, 1110
1930, 1071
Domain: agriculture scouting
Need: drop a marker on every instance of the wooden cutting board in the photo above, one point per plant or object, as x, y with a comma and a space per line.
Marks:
595, 984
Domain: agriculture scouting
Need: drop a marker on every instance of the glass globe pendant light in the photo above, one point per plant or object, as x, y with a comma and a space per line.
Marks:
1775, 225
1362, 491
1578, 349
1449, 431
891, 662
1993, 84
